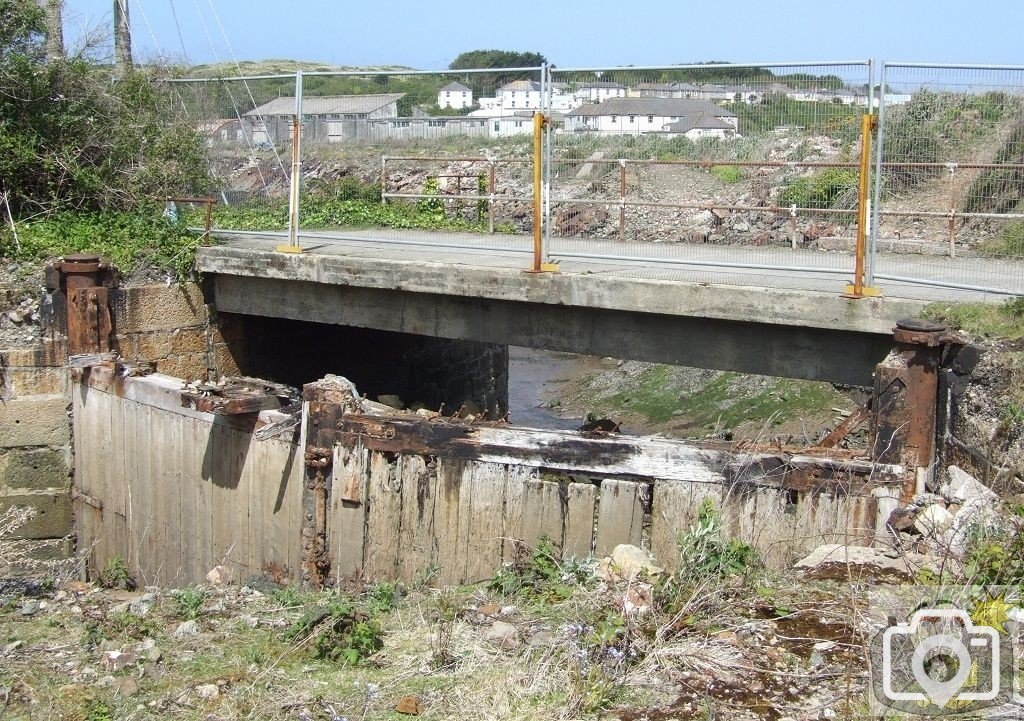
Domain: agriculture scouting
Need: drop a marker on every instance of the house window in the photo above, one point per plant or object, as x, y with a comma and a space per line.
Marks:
650, 118
615, 118
497, 126
519, 123
632, 118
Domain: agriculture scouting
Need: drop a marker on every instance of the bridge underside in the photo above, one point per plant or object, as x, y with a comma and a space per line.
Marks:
837, 356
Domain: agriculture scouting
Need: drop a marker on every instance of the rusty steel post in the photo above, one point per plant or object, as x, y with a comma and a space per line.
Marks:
905, 402
84, 279
491, 186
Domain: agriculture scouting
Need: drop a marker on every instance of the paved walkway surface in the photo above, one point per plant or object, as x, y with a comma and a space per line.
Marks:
912, 276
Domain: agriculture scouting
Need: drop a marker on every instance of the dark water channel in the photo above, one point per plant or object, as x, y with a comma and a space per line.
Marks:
536, 376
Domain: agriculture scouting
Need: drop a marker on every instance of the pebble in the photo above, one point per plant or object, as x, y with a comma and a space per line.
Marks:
30, 607
207, 691
186, 628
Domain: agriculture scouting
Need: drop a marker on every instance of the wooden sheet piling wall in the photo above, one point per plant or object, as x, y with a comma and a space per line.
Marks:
174, 492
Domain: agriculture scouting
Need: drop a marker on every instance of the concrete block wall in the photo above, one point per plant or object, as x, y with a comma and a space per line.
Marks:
35, 438
168, 325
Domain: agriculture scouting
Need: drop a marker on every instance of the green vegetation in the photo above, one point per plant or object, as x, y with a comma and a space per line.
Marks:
116, 575
128, 240
837, 120
703, 552
1010, 242
82, 157
189, 602
718, 404
727, 173
539, 574
995, 557
821, 189
339, 631
933, 125
985, 320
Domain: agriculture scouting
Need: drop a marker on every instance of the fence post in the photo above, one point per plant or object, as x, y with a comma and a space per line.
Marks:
491, 184
292, 246
859, 288
876, 204
622, 199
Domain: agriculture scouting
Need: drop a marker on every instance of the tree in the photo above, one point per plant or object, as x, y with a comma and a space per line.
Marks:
71, 140
54, 29
484, 83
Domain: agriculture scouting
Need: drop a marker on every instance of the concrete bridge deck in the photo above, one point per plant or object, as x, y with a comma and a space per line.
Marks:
668, 314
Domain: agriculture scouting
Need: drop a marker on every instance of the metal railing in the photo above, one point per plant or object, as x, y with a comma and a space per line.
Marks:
737, 174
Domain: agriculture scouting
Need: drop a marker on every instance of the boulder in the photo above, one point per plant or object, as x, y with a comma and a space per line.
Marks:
626, 563
962, 488
838, 562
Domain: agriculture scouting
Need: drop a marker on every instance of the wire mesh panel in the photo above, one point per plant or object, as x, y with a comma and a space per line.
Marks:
248, 152
950, 209
431, 159
407, 157
750, 171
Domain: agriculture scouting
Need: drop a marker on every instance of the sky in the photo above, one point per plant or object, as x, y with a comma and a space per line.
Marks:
427, 34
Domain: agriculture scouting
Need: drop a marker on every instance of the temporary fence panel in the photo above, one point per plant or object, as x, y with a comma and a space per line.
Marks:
744, 174
949, 213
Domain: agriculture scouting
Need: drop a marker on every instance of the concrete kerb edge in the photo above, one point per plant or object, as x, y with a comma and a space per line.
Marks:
744, 304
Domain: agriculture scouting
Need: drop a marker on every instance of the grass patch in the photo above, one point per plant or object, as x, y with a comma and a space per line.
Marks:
727, 173
1010, 243
986, 320
719, 403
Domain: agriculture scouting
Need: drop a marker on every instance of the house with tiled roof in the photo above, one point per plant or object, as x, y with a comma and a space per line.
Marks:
651, 115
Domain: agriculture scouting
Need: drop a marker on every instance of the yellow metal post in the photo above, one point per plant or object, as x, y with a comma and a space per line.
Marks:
539, 266
857, 289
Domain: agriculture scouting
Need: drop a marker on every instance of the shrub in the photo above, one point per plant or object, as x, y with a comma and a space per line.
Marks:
819, 190
116, 575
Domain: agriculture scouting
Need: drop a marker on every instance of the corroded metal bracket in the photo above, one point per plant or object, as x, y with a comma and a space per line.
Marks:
906, 398
84, 280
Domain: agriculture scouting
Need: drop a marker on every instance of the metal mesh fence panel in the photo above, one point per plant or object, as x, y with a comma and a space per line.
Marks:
421, 159
949, 215
250, 162
740, 174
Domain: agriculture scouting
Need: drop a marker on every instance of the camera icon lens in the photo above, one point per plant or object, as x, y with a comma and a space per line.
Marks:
940, 657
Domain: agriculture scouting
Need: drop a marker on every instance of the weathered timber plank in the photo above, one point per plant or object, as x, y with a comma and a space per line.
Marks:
346, 524
620, 517
115, 496
484, 533
384, 498
515, 491
673, 511
416, 543
608, 455
197, 435
542, 513
579, 520
449, 555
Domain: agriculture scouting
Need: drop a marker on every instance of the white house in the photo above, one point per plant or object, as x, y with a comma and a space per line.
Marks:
520, 95
638, 116
456, 96
598, 92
